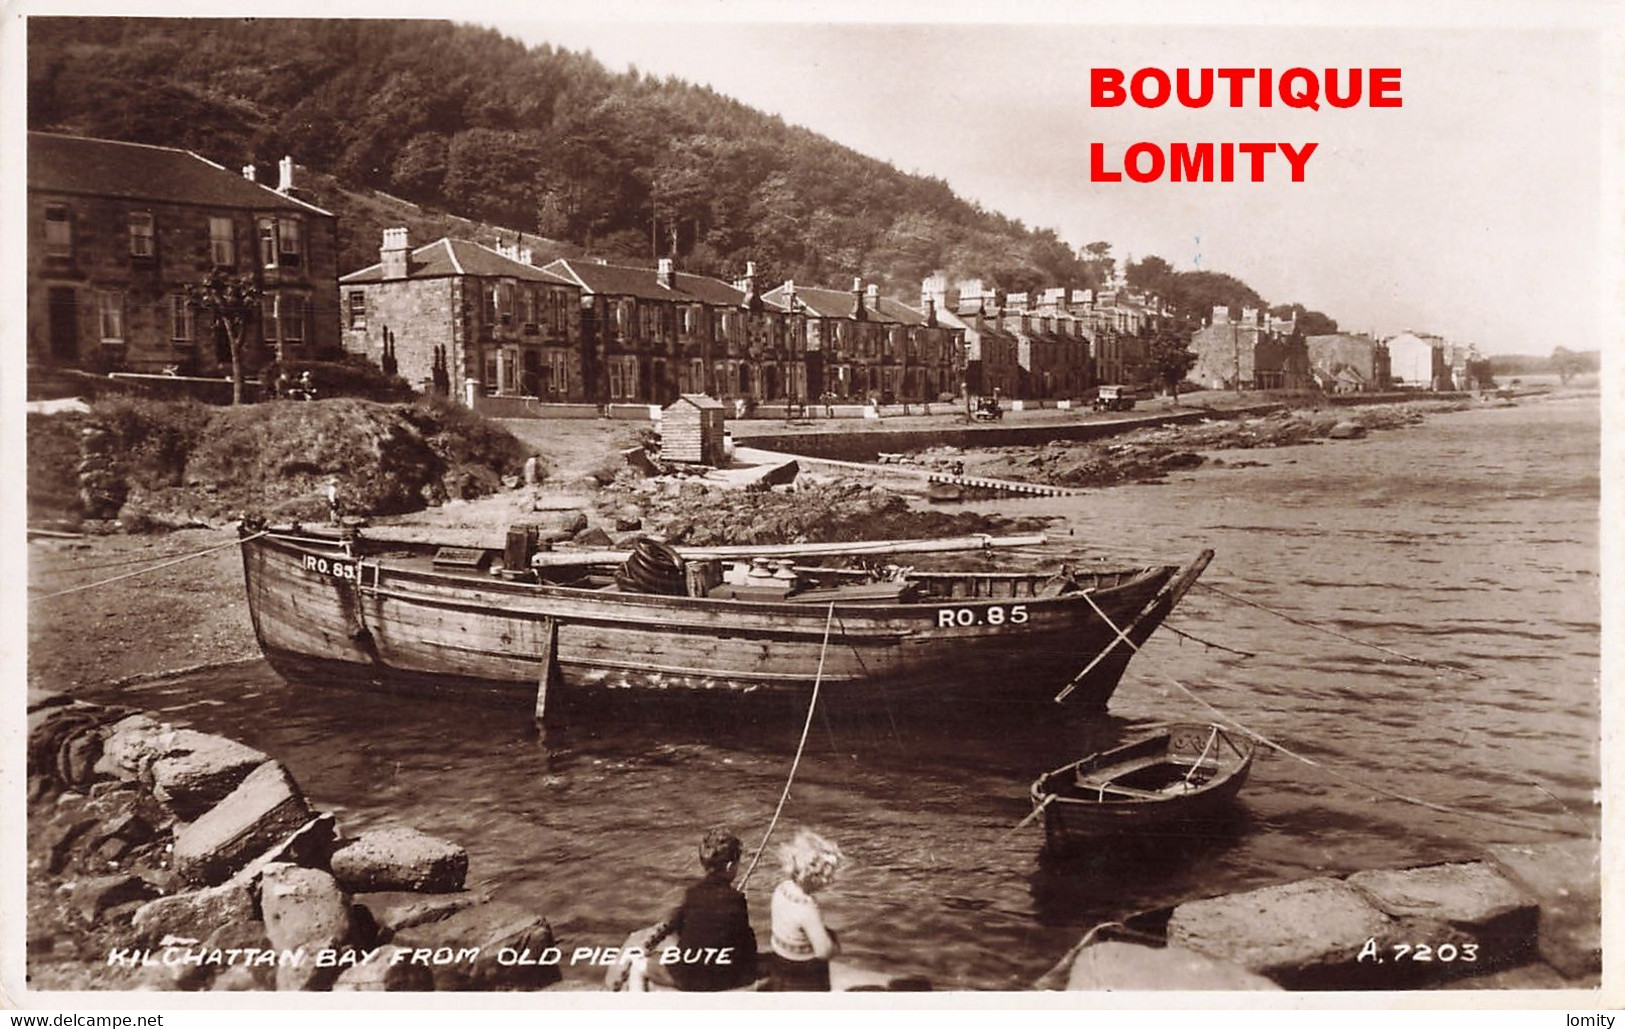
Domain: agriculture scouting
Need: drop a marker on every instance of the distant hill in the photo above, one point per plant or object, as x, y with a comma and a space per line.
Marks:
392, 114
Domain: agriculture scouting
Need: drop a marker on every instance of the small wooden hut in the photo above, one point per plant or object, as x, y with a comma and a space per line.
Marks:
691, 430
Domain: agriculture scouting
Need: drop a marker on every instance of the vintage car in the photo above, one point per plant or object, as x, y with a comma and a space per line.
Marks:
1114, 398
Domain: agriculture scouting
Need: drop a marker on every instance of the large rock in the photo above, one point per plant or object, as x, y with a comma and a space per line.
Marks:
1563, 877
95, 895
472, 942
1496, 916
1114, 965
260, 812
50, 727
395, 911
198, 770
383, 972
1305, 934
400, 859
555, 524
194, 914
131, 746
304, 908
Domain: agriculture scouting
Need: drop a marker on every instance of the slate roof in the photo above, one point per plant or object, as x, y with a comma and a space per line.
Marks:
138, 171
831, 303
447, 257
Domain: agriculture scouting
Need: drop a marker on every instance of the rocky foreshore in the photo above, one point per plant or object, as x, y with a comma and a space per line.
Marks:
1524, 916
161, 858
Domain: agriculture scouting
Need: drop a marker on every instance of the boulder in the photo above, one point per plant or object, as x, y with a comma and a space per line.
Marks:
1347, 430
199, 770
395, 911
77, 754
1563, 877
194, 914
384, 973
50, 727
473, 938
95, 895
555, 523
1115, 965
628, 517
1490, 910
304, 908
308, 846
594, 537
400, 859
130, 747
1304, 935
243, 935
263, 810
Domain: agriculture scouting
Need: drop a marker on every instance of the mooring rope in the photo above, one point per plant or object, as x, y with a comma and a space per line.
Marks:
812, 705
1342, 636
1334, 773
1208, 643
151, 568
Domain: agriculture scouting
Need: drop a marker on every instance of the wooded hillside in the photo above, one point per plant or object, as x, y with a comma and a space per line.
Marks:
542, 140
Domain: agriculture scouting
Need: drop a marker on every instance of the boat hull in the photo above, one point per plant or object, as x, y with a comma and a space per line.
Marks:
324, 611
1078, 815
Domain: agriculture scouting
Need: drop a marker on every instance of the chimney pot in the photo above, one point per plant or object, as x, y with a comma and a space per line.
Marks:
249, 173
285, 171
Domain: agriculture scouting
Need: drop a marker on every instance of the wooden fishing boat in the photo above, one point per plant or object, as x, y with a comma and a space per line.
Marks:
1168, 777
394, 612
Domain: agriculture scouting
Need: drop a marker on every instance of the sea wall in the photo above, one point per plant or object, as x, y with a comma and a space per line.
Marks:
161, 858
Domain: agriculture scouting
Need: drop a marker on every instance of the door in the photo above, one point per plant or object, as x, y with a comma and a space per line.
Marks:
63, 303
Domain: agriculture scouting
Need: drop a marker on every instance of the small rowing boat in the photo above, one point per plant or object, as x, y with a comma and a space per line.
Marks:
1170, 776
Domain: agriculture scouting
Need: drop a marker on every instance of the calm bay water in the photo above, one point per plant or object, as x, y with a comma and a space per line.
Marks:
1470, 541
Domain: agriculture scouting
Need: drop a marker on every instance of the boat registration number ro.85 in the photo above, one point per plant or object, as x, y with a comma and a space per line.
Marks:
335, 567
993, 614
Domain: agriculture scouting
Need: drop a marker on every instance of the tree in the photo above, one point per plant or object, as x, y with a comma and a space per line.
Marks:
229, 301
1566, 363
1168, 354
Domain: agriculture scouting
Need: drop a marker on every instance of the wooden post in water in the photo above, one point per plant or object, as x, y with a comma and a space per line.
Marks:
550, 663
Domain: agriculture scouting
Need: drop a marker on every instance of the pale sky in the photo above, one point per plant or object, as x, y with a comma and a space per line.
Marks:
1472, 211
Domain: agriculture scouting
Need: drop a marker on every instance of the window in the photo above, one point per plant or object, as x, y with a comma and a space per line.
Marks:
58, 231
141, 234
358, 309
282, 242
291, 242
510, 371
527, 308
182, 320
490, 373
558, 368
291, 313
222, 242
111, 306
504, 303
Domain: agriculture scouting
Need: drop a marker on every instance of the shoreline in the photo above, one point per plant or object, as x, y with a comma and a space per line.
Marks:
193, 614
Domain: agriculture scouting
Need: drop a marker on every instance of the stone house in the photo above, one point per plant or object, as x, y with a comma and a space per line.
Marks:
1347, 362
460, 318
1417, 361
992, 354
1254, 352
117, 230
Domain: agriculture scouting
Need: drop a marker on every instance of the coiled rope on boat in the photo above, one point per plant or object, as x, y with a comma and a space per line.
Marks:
829, 621
1305, 759
150, 568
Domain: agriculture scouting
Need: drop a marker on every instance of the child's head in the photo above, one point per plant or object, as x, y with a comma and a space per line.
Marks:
718, 850
810, 860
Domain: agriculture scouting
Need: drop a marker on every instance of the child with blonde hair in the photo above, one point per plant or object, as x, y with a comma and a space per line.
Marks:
802, 944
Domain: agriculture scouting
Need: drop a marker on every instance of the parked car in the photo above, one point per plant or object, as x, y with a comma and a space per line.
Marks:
1114, 398
988, 410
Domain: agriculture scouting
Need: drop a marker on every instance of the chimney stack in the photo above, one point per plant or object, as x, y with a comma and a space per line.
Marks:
249, 173
930, 312
285, 172
395, 253
858, 312
665, 275
753, 299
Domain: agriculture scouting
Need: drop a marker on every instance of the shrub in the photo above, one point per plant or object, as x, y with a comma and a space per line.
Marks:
352, 375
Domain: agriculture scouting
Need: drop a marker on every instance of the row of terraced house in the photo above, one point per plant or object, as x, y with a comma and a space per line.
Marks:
118, 230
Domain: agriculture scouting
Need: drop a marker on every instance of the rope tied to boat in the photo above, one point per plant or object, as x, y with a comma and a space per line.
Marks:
1342, 636
812, 705
150, 568
1305, 759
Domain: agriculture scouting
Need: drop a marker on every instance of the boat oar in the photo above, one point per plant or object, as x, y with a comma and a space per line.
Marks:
1034, 814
